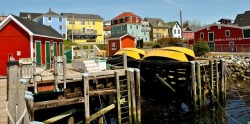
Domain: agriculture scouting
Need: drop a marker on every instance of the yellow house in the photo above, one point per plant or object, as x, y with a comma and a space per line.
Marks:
84, 27
158, 28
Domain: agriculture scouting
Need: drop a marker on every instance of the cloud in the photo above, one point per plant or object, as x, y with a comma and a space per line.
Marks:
172, 3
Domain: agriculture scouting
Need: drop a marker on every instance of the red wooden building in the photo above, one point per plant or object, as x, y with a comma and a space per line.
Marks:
225, 37
188, 33
22, 38
120, 41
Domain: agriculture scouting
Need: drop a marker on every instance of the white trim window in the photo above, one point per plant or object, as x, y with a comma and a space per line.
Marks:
49, 19
60, 19
202, 35
118, 20
227, 32
124, 19
60, 27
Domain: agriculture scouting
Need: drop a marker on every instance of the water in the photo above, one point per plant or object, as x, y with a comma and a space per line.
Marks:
235, 111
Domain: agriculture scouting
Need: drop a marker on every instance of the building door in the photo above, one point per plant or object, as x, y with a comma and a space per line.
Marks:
55, 48
38, 53
61, 49
211, 46
47, 53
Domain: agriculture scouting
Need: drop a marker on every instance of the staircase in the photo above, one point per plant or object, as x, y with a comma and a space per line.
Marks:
85, 65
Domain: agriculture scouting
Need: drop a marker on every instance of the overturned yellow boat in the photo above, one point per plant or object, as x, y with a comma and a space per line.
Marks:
171, 53
131, 52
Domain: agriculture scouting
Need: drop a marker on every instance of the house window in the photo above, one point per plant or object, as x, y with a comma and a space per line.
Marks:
49, 19
114, 46
136, 19
219, 27
71, 22
124, 19
60, 19
112, 21
178, 31
137, 26
81, 22
227, 33
131, 19
118, 20
93, 22
211, 36
174, 31
157, 29
88, 22
60, 27
176, 25
246, 33
130, 26
202, 35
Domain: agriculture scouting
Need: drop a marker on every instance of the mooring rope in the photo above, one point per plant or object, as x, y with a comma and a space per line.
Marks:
225, 111
238, 93
96, 82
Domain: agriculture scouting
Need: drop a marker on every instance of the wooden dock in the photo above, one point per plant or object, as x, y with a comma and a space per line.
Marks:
3, 98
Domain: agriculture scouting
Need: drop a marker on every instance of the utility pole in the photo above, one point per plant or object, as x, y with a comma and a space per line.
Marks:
181, 26
73, 21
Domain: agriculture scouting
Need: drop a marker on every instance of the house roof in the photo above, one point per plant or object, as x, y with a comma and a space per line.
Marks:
51, 13
106, 28
32, 27
118, 36
172, 24
243, 19
27, 14
224, 25
154, 22
126, 14
225, 19
82, 16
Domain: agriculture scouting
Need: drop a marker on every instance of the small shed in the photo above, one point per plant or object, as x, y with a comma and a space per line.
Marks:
23, 38
120, 41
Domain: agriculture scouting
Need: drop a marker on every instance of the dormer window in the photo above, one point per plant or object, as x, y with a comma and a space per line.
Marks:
131, 19
124, 19
136, 19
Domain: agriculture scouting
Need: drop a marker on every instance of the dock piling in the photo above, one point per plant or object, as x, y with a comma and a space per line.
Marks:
193, 91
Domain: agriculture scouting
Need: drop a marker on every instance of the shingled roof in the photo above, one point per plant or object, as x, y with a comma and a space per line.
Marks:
126, 14
82, 16
32, 27
243, 19
172, 24
154, 22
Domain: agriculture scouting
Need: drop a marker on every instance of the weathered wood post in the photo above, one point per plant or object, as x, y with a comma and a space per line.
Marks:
82, 56
198, 79
129, 95
34, 76
216, 78
211, 81
86, 96
138, 95
132, 83
222, 82
104, 55
64, 71
118, 97
124, 60
193, 91
56, 73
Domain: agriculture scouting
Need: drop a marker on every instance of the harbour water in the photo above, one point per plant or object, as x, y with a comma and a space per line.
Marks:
236, 110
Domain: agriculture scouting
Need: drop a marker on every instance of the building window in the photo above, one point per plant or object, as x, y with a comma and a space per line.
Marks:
157, 29
202, 35
174, 31
227, 33
114, 46
124, 19
176, 25
211, 36
130, 26
219, 27
246, 33
137, 20
88, 22
179, 31
60, 19
71, 22
49, 19
60, 27
112, 21
93, 22
118, 20
137, 26
131, 19
81, 22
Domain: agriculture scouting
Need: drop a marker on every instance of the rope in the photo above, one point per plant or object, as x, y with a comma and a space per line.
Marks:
10, 117
96, 82
225, 111
239, 94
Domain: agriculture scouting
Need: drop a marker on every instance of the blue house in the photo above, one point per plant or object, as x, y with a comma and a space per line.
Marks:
56, 21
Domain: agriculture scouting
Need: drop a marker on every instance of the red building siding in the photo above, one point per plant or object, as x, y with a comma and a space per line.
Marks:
221, 41
188, 35
128, 42
113, 49
13, 39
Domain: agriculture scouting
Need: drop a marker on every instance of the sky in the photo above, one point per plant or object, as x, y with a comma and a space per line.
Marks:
205, 11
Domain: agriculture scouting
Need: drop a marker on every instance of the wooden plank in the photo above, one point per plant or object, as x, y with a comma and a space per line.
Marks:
61, 116
211, 81
118, 96
216, 78
193, 91
129, 96
132, 86
125, 64
86, 95
198, 79
64, 72
57, 103
101, 92
55, 72
34, 76
138, 95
